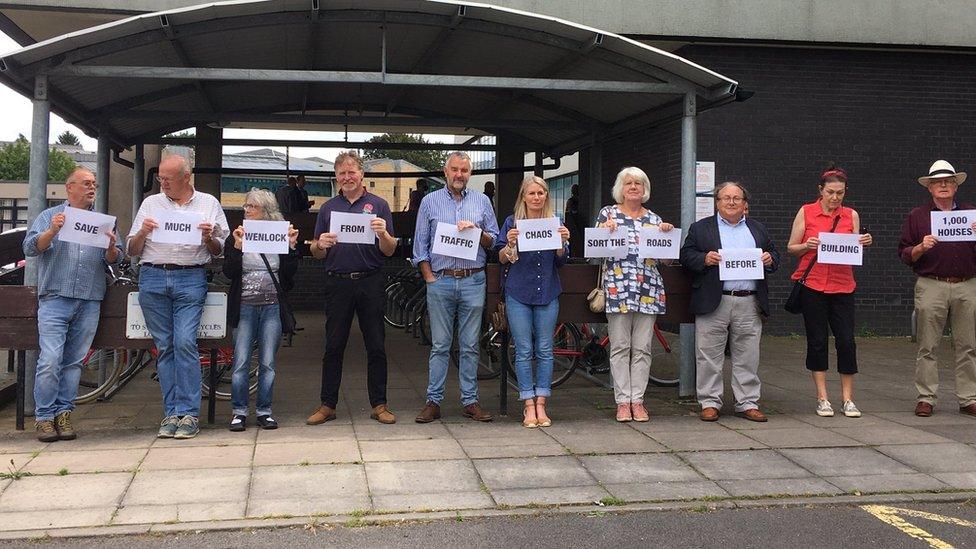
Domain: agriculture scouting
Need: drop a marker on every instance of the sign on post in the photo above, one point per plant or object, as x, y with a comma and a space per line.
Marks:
840, 249
178, 228
213, 323
600, 242
741, 264
265, 237
451, 242
704, 183
954, 226
86, 227
538, 234
352, 228
656, 244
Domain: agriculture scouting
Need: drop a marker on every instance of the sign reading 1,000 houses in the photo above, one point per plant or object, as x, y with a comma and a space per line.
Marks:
213, 323
954, 226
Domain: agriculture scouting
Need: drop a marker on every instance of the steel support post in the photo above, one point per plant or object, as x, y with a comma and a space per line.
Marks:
689, 153
138, 178
103, 169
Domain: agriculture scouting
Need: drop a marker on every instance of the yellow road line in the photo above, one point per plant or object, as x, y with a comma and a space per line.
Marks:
892, 516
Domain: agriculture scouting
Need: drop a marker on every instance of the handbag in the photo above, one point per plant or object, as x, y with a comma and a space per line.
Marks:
499, 317
793, 304
288, 323
597, 298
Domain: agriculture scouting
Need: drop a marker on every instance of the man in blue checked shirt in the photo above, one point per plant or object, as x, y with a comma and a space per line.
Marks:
70, 288
455, 287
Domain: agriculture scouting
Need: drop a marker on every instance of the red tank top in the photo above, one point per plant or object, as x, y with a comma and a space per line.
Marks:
829, 279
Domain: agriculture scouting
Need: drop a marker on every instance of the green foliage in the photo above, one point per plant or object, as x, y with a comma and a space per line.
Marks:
68, 138
15, 162
427, 159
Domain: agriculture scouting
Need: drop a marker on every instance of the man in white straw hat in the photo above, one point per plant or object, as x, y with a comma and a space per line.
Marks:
946, 287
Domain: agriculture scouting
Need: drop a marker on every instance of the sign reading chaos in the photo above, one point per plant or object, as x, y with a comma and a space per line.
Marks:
840, 249
657, 244
954, 226
740, 264
178, 228
600, 242
265, 237
538, 234
451, 242
213, 322
351, 228
86, 227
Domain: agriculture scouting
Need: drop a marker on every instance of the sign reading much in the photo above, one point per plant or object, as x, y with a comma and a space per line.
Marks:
954, 226
178, 228
840, 249
86, 227
741, 264
265, 237
449, 241
600, 242
352, 228
656, 244
538, 234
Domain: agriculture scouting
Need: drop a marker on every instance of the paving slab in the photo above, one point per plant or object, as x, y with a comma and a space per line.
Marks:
539, 472
666, 491
404, 429
311, 483
306, 433
21, 443
48, 492
193, 486
944, 415
14, 462
495, 429
197, 456
502, 449
411, 450
39, 520
845, 461
672, 424
550, 496
910, 482
442, 501
297, 453
874, 435
184, 512
105, 440
211, 436
948, 433
840, 420
407, 477
934, 458
596, 440
964, 481
778, 487
804, 437
743, 464
776, 421
639, 468
716, 438
304, 507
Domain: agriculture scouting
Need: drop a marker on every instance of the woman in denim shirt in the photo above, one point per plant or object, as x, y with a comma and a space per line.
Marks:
532, 291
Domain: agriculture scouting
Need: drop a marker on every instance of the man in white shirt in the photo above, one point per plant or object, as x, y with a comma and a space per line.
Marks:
173, 289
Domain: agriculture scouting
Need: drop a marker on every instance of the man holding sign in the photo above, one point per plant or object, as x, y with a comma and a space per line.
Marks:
70, 288
946, 287
455, 287
728, 310
174, 252
352, 234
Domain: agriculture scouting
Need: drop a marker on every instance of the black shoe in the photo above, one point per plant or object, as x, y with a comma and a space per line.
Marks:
238, 423
267, 422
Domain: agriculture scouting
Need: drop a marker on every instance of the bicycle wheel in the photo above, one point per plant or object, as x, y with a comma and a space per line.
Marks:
665, 358
100, 369
225, 365
489, 357
393, 307
565, 350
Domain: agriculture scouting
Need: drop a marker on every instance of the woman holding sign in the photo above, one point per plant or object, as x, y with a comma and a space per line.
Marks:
634, 292
253, 308
532, 288
827, 291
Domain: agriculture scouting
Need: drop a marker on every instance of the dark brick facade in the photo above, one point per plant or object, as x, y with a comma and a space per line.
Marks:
883, 116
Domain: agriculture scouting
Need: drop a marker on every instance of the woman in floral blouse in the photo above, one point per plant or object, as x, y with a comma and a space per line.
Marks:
635, 294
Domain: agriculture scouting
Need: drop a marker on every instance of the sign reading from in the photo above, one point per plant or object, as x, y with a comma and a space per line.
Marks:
352, 228
840, 249
265, 237
449, 241
538, 234
741, 264
600, 242
213, 323
657, 244
954, 226
86, 227
178, 228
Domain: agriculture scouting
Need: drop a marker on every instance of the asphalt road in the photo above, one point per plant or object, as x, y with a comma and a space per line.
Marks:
799, 527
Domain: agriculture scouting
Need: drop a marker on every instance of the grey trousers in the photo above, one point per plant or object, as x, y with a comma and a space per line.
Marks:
737, 320
630, 354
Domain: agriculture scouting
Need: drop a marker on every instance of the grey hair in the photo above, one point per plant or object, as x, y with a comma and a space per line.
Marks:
185, 154
267, 202
720, 186
458, 154
635, 173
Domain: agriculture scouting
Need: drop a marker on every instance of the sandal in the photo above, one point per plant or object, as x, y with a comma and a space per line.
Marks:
527, 421
540, 411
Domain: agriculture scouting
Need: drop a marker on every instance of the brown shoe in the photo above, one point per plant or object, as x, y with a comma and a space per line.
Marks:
383, 414
430, 412
46, 431
752, 414
321, 414
62, 424
708, 413
476, 412
968, 410
924, 409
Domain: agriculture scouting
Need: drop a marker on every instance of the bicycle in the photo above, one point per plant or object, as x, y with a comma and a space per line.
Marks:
665, 355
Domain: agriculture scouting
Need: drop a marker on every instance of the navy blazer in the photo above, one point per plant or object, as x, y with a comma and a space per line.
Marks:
706, 288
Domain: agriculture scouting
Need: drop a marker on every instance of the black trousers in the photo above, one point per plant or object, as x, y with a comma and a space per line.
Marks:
836, 311
364, 299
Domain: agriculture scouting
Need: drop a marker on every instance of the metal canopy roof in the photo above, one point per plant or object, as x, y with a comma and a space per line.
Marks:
436, 66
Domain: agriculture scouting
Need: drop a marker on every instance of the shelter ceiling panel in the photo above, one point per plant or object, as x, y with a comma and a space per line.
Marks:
94, 92
159, 54
607, 107
281, 47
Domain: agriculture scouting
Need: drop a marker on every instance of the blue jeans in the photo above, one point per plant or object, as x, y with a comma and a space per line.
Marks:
65, 328
261, 323
172, 302
531, 327
448, 297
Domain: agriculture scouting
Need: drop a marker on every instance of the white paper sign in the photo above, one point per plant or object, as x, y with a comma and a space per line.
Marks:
704, 183
352, 228
213, 323
659, 245
741, 264
538, 234
265, 237
453, 243
86, 227
954, 226
178, 228
600, 242
840, 249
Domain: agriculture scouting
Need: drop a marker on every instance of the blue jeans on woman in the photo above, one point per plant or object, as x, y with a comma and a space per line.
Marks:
261, 323
531, 327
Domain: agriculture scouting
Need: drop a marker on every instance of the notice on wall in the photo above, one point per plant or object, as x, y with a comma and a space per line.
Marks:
86, 227
352, 228
657, 244
954, 226
449, 241
840, 249
704, 183
213, 322
178, 228
538, 234
600, 242
265, 237
741, 264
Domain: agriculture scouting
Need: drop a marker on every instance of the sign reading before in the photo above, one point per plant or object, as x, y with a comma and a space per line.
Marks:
741, 264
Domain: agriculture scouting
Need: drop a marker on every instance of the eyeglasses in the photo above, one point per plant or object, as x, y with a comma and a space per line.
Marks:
732, 199
249, 206
87, 184
945, 182
165, 179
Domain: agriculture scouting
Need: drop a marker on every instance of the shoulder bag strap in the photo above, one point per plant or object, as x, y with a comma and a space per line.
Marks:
814, 260
273, 277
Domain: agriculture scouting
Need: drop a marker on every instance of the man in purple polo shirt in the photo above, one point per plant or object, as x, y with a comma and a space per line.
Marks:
353, 286
946, 290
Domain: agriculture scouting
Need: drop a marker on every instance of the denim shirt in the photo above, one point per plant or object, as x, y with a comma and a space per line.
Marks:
533, 279
67, 269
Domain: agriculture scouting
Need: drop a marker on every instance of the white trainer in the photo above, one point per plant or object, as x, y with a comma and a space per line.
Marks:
824, 409
850, 410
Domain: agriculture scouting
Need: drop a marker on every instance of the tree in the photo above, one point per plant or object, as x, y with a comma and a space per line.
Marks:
427, 159
68, 138
15, 162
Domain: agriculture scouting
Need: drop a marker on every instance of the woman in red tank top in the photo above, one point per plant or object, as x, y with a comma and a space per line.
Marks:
827, 296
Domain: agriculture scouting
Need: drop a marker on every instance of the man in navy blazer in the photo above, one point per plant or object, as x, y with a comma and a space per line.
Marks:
728, 311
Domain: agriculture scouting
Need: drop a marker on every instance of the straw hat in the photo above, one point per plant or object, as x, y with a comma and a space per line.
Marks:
940, 170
